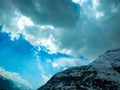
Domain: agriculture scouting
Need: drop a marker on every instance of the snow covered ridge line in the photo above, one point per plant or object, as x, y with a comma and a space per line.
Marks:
110, 58
101, 74
12, 81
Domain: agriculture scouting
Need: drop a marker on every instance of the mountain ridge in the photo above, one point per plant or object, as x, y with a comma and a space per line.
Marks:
101, 74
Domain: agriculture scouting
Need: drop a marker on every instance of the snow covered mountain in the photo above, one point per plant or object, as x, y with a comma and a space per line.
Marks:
101, 74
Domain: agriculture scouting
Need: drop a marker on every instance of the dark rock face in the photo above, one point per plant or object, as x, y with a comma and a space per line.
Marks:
12, 81
6, 84
102, 74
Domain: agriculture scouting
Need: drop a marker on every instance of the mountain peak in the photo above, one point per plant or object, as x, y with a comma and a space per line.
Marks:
101, 74
111, 58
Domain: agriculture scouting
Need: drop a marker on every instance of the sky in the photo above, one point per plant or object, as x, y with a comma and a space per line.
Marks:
39, 38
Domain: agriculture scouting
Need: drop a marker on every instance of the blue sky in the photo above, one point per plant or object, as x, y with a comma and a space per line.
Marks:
32, 64
39, 38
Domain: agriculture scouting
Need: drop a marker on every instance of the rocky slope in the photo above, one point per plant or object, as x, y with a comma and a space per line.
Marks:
101, 74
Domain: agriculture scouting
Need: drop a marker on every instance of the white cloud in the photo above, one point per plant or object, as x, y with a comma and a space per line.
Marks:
23, 21
76, 1
44, 27
43, 35
99, 15
68, 62
95, 3
54, 65
36, 35
81, 2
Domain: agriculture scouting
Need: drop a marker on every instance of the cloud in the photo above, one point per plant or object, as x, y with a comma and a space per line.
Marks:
1, 27
12, 81
36, 35
95, 24
63, 13
96, 30
68, 62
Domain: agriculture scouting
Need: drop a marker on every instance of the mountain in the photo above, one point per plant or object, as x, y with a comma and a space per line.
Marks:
102, 74
12, 81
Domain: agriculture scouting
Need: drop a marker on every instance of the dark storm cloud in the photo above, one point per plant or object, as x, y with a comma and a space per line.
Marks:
6, 10
62, 13
110, 10
97, 27
1, 26
96, 34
